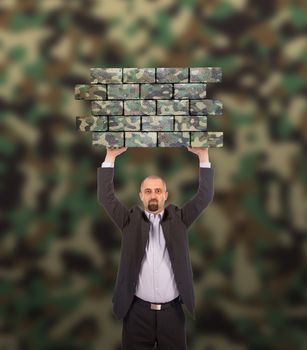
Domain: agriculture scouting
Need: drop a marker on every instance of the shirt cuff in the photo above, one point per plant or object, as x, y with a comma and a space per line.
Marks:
205, 164
107, 165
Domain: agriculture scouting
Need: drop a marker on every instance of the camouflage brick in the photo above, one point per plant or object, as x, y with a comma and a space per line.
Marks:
106, 75
175, 107
118, 123
206, 107
90, 123
140, 139
206, 74
90, 92
123, 91
107, 107
172, 75
156, 123
135, 107
157, 91
139, 75
189, 91
206, 139
190, 123
109, 139
173, 139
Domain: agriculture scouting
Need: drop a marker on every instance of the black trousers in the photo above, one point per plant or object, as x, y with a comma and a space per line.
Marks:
147, 329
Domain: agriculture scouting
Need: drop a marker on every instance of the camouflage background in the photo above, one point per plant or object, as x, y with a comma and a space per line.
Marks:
59, 251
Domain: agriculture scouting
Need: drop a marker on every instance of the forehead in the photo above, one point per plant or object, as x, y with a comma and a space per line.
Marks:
153, 183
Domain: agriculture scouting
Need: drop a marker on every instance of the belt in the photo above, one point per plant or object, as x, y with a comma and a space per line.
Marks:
156, 306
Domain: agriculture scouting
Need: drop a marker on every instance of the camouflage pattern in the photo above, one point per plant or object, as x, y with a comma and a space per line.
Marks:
139, 75
206, 74
157, 91
190, 123
107, 107
106, 75
109, 139
173, 139
207, 139
190, 91
176, 107
141, 99
123, 91
59, 250
135, 107
91, 123
90, 92
172, 75
207, 107
118, 123
156, 123
140, 139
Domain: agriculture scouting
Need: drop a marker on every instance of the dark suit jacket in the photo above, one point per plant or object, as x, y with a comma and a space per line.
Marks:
135, 225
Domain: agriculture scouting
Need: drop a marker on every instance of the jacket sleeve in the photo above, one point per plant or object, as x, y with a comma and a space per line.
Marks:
106, 197
193, 208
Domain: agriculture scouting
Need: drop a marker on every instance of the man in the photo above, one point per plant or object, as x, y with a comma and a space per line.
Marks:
155, 275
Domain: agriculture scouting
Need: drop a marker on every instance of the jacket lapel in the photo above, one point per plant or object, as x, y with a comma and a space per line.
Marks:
166, 224
145, 226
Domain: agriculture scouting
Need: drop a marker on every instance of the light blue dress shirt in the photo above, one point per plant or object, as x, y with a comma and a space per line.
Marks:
156, 281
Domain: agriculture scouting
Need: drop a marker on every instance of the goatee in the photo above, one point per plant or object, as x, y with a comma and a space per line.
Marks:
153, 206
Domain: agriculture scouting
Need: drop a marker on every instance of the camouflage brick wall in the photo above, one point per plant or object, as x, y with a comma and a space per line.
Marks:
150, 107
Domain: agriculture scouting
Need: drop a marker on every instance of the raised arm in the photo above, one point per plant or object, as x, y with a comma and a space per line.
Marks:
193, 208
105, 188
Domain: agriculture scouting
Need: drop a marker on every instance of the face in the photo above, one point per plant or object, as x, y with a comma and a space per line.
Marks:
153, 195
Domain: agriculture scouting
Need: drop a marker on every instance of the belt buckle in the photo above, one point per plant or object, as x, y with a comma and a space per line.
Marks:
155, 306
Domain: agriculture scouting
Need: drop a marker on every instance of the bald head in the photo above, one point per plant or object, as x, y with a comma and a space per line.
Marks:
152, 177
153, 193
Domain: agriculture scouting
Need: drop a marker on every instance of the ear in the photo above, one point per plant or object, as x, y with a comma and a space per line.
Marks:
141, 195
166, 195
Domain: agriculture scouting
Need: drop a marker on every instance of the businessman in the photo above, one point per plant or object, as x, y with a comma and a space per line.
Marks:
155, 274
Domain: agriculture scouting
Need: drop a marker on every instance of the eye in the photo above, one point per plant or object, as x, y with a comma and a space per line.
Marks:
158, 190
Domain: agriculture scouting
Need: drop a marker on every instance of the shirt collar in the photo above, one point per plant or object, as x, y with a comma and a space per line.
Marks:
160, 214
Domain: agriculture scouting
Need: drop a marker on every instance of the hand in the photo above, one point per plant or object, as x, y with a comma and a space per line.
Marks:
202, 152
113, 152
